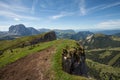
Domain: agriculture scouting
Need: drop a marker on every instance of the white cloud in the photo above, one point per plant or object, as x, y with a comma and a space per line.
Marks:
110, 5
16, 19
13, 7
101, 7
13, 15
85, 11
62, 14
13, 10
58, 16
33, 6
110, 24
82, 7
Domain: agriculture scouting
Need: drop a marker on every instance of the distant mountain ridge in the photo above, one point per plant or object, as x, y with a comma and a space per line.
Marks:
20, 29
81, 35
16, 31
100, 41
108, 32
117, 34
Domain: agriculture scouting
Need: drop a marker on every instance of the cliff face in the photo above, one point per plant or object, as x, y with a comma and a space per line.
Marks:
21, 30
73, 61
18, 30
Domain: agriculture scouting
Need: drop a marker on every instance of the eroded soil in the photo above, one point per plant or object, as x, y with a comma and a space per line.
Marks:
32, 67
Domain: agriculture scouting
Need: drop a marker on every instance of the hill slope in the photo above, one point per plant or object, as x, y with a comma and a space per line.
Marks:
48, 52
25, 41
101, 41
40, 54
103, 54
56, 71
32, 67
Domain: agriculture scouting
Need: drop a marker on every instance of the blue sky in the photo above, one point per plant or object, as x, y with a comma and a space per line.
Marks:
61, 14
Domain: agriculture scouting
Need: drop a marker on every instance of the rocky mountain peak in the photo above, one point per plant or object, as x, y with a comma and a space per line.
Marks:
22, 30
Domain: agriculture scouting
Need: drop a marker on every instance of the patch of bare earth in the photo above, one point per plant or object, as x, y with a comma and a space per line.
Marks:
32, 67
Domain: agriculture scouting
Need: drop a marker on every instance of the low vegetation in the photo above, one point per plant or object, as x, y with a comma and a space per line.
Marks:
10, 56
105, 56
103, 63
102, 71
57, 62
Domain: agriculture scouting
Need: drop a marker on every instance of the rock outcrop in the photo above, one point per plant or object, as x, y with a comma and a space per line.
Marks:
73, 61
21, 30
44, 38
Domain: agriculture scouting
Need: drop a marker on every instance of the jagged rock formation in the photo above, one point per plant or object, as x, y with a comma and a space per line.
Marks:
21, 30
73, 61
18, 30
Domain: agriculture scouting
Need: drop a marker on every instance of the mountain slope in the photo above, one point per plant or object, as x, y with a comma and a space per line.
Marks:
102, 71
25, 41
19, 29
105, 56
117, 34
56, 71
108, 32
36, 50
33, 31
20, 50
101, 41
81, 35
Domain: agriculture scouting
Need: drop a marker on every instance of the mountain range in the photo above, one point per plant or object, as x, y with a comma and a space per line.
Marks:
16, 31
101, 41
88, 55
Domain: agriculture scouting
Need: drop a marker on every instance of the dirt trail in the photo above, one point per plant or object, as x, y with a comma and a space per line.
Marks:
32, 67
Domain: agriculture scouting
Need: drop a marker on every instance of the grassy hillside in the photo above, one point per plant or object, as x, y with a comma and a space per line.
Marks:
105, 56
100, 61
102, 71
24, 41
56, 68
101, 41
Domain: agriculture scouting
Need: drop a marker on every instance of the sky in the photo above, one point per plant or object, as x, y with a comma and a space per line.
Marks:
61, 14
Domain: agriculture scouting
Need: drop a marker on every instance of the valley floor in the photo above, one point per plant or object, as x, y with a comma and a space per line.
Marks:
32, 67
